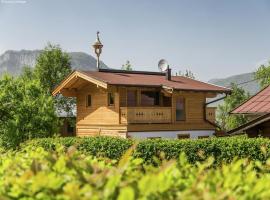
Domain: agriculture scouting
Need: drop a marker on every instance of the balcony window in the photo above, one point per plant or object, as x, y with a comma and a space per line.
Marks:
180, 109
132, 98
110, 99
149, 98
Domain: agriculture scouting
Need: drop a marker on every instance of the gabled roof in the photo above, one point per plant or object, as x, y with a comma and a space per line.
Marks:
259, 120
142, 79
257, 104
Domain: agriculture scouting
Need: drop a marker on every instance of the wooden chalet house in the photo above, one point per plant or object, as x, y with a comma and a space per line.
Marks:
140, 104
257, 110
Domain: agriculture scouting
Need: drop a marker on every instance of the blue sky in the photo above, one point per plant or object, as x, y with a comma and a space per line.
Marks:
213, 38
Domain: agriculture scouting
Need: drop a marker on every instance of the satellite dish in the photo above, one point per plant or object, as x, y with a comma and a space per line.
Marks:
163, 65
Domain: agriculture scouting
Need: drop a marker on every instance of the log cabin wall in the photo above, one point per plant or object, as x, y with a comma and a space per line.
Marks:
99, 118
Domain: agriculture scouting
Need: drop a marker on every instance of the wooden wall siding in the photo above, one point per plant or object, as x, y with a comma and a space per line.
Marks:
145, 115
211, 114
194, 104
99, 112
101, 119
104, 130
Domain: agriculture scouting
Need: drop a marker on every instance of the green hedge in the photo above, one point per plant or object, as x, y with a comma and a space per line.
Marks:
222, 149
37, 174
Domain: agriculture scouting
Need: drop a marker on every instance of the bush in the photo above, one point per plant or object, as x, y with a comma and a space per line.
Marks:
151, 151
40, 174
26, 112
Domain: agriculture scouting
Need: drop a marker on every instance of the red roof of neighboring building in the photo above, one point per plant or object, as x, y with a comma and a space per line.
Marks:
258, 104
149, 79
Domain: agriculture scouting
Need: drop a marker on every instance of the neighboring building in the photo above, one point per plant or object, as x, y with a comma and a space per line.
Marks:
257, 109
67, 126
140, 104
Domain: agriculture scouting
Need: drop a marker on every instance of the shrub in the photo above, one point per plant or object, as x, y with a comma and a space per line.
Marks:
151, 151
40, 174
26, 112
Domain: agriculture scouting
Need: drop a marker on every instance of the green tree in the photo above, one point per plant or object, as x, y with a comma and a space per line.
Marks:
263, 75
26, 111
53, 65
226, 121
127, 66
27, 73
187, 73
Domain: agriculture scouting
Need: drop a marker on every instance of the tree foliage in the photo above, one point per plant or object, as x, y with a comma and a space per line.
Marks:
127, 66
263, 75
225, 120
52, 66
26, 111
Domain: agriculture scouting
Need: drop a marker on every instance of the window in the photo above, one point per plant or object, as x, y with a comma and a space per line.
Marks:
183, 136
132, 98
180, 109
149, 98
88, 100
203, 136
110, 99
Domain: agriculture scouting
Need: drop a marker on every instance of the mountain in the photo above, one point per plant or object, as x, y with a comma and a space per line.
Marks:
244, 81
13, 61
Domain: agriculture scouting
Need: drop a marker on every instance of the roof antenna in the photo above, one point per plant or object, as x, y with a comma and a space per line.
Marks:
98, 49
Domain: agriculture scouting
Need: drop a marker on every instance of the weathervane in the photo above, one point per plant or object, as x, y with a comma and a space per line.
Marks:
98, 49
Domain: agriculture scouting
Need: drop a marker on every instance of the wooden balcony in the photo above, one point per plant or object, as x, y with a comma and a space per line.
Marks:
145, 115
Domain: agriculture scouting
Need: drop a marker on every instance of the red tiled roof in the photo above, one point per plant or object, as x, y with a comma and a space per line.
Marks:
259, 103
153, 80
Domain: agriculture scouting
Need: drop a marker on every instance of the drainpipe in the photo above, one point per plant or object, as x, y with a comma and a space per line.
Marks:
204, 110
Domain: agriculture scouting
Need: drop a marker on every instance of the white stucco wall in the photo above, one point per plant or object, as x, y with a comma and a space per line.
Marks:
170, 134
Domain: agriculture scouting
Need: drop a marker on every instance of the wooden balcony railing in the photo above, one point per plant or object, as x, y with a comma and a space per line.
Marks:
211, 114
145, 115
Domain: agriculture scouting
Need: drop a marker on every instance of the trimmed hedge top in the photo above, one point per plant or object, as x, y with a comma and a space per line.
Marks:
222, 149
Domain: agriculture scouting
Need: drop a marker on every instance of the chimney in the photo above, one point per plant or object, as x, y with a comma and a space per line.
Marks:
169, 74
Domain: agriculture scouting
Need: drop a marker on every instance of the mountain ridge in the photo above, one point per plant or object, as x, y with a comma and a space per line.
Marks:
245, 81
13, 61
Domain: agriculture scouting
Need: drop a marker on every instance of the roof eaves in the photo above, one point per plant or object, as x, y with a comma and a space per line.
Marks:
250, 124
82, 75
60, 85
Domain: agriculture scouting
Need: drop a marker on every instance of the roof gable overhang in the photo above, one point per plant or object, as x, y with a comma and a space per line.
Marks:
75, 76
253, 123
